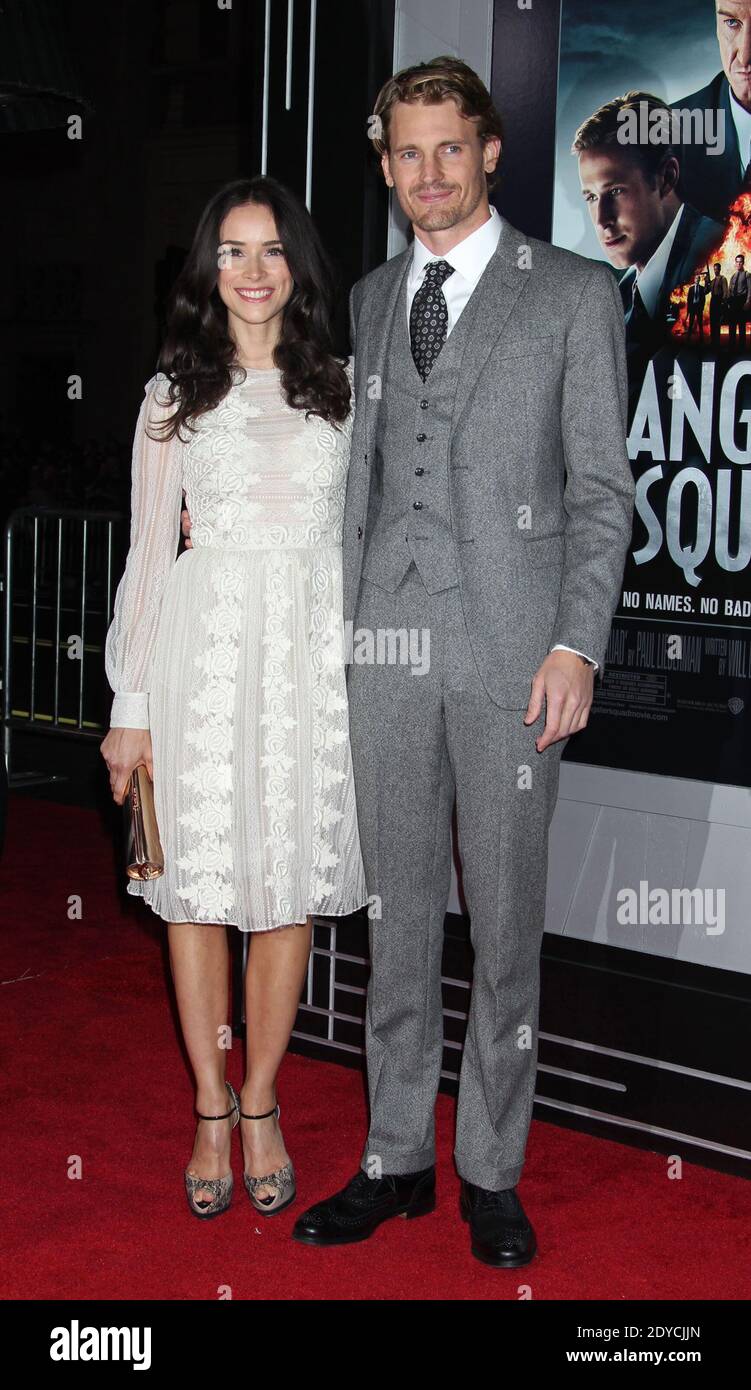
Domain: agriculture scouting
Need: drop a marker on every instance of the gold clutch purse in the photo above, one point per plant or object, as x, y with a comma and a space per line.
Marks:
144, 855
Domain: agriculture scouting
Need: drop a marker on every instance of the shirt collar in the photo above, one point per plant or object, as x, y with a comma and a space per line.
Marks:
469, 257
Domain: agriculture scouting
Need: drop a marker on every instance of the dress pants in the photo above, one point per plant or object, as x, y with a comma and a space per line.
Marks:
737, 320
418, 742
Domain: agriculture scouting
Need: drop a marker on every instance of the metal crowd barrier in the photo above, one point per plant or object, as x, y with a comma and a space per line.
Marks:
61, 569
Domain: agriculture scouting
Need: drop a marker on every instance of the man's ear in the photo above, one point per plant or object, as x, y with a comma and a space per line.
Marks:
670, 174
386, 167
492, 150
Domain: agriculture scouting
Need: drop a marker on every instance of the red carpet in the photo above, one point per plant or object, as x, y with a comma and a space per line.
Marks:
92, 1067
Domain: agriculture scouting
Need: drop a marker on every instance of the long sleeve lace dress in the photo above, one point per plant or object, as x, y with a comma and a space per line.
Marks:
233, 656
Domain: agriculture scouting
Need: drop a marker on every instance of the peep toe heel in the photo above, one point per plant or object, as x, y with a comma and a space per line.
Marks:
220, 1188
282, 1179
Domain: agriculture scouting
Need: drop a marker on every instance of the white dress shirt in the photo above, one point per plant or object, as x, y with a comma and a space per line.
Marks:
742, 123
469, 259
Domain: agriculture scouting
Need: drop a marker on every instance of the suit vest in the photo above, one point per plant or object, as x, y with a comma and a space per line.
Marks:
408, 515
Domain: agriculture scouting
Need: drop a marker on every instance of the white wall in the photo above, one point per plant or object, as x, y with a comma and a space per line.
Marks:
427, 29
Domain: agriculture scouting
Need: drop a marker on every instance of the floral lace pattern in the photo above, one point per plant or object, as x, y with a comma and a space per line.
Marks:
233, 468
208, 868
279, 726
247, 701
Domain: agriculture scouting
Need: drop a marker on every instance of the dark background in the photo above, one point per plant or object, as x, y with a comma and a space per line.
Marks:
171, 94
96, 229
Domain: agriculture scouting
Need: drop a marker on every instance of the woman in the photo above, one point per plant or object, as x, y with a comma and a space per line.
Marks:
228, 664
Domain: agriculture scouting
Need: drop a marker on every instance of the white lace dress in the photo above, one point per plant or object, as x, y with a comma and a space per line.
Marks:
233, 656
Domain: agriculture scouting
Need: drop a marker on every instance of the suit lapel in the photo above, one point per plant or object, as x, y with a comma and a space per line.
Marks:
374, 335
492, 301
680, 266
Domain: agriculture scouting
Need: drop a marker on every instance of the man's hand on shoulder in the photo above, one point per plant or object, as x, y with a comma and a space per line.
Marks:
565, 683
185, 525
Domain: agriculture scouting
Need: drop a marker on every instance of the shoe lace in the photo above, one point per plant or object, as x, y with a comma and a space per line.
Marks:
361, 1186
505, 1202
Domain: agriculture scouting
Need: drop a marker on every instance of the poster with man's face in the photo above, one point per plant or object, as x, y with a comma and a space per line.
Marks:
653, 176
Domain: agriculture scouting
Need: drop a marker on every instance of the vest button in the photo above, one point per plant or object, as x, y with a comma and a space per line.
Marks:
423, 405
421, 438
419, 472
417, 506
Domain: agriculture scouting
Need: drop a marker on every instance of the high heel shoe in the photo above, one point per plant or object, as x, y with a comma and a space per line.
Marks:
283, 1179
221, 1188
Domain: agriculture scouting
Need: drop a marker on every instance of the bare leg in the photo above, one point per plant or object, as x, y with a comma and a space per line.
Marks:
277, 961
199, 957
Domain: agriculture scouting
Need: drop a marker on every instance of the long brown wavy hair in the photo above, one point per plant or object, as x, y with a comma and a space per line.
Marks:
198, 354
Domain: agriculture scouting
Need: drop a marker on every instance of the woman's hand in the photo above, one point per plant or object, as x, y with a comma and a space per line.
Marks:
123, 750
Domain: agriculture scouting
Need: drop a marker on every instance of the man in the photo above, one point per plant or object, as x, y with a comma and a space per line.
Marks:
712, 177
718, 294
739, 295
695, 307
489, 505
641, 222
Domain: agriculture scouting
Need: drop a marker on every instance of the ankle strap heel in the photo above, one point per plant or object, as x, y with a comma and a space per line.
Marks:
234, 1110
276, 1110
220, 1188
281, 1181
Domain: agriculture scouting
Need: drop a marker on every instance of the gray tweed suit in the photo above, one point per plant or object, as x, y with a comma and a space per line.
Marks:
514, 451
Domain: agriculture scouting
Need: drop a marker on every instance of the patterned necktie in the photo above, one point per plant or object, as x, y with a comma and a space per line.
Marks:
429, 317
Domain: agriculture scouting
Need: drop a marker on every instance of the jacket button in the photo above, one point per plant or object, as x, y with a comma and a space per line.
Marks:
359, 533
419, 472
423, 405
421, 438
417, 506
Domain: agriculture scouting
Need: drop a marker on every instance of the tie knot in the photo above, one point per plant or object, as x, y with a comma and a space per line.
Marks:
438, 271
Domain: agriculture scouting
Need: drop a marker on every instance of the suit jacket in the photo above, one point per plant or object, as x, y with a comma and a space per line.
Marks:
540, 486
711, 181
695, 298
696, 239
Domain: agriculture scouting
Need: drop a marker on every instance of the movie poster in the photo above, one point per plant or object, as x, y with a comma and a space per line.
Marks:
653, 145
